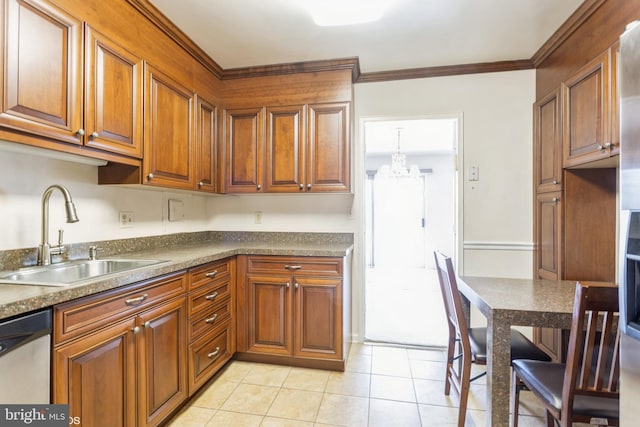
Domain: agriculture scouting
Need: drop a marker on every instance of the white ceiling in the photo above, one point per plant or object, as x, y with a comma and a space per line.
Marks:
412, 33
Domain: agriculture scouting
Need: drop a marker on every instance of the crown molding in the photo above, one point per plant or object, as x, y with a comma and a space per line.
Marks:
577, 18
352, 64
446, 70
163, 23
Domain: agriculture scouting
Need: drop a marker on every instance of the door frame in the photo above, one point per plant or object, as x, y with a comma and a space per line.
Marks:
361, 239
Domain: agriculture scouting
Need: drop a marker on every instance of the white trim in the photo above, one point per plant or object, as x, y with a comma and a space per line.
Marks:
499, 246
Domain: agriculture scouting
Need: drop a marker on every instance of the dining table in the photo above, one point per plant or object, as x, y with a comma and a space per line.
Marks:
507, 302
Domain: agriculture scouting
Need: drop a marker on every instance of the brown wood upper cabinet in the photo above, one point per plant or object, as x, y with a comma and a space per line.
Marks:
206, 145
244, 150
169, 132
587, 107
43, 78
547, 143
307, 149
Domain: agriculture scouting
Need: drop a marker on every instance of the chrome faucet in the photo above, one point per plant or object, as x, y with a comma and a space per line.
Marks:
45, 250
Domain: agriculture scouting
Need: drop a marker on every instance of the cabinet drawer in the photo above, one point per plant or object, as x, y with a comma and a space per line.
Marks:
210, 319
206, 298
300, 266
207, 355
90, 313
213, 272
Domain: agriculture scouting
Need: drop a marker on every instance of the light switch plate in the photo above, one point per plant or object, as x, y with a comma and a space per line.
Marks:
176, 210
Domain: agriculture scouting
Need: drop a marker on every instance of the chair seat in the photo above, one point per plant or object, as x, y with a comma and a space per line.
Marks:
521, 346
547, 379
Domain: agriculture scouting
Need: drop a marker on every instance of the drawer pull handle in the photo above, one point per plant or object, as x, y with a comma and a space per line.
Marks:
134, 301
211, 297
211, 319
211, 274
292, 267
214, 353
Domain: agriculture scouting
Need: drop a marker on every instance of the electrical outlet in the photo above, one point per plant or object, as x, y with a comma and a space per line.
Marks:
258, 218
126, 219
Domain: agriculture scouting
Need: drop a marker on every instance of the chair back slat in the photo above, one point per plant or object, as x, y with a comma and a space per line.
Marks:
594, 341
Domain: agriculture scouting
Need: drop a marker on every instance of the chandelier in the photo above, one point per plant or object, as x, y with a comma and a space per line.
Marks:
398, 167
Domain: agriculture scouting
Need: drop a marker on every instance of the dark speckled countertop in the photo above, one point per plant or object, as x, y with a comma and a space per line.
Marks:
180, 251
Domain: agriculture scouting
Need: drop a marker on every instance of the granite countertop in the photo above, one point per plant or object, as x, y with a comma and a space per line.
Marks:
179, 252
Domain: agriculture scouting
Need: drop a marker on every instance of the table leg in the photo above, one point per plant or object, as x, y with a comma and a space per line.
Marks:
498, 372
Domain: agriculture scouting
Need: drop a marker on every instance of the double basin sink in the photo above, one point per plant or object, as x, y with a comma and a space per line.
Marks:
68, 273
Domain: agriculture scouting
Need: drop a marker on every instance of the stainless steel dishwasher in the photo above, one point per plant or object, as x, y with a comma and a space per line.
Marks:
25, 358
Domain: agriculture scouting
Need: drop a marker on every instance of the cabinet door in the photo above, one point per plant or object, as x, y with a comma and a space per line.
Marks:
206, 145
42, 72
162, 362
244, 150
168, 143
318, 317
586, 115
547, 144
328, 156
113, 96
269, 314
548, 235
96, 376
615, 98
285, 149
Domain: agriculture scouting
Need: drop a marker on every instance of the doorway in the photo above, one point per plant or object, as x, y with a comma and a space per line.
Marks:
410, 212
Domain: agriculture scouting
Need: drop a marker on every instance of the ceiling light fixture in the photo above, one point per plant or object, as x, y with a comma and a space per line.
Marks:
398, 167
345, 12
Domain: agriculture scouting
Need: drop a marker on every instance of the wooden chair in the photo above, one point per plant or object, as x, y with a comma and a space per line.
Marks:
467, 345
585, 389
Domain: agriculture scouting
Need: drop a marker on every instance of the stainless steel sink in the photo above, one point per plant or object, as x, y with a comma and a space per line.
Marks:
67, 273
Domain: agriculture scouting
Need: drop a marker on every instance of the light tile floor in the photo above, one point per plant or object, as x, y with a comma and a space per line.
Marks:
381, 386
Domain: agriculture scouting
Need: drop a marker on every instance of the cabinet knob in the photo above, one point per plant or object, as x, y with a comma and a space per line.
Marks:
287, 285
150, 177
136, 329
214, 353
308, 186
80, 132
607, 145
200, 184
555, 182
554, 200
599, 147
302, 186
95, 134
147, 324
296, 285
258, 186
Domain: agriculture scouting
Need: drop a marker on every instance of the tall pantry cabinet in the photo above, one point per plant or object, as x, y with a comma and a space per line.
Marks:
575, 158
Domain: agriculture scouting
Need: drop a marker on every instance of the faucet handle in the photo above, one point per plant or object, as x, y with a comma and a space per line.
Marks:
93, 252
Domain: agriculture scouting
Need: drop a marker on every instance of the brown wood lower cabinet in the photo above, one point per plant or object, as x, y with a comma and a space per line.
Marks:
212, 302
293, 311
132, 371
